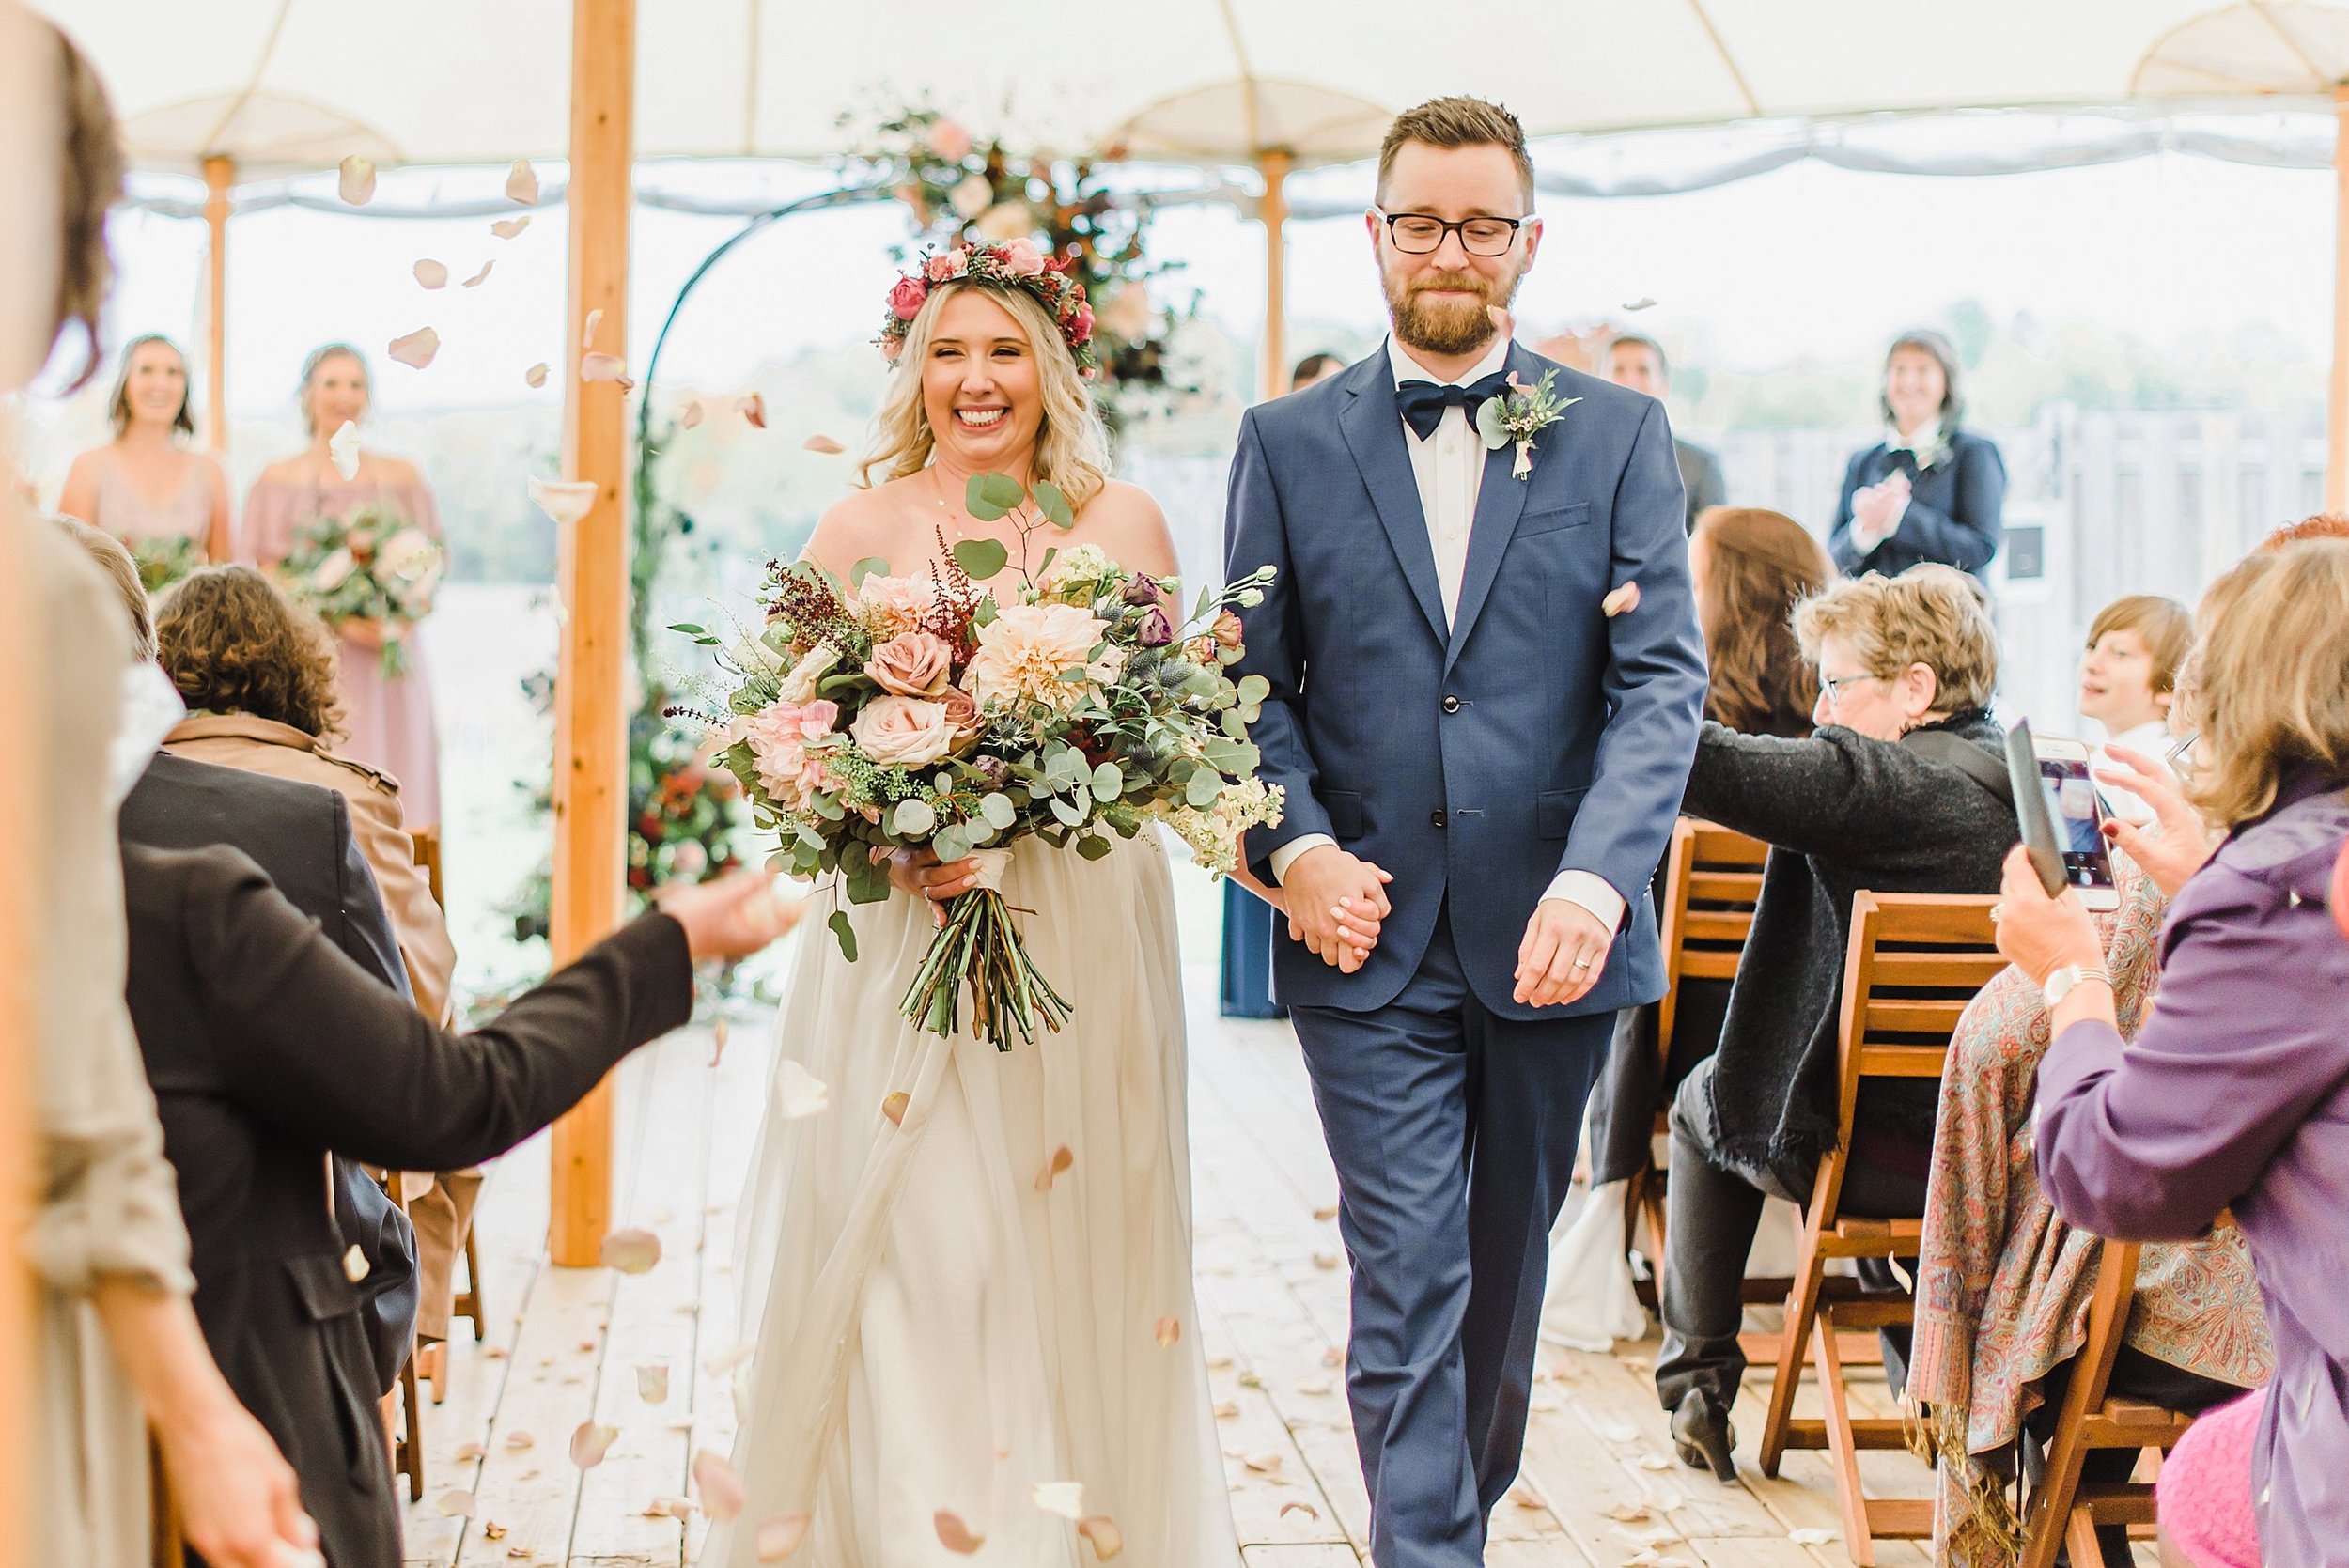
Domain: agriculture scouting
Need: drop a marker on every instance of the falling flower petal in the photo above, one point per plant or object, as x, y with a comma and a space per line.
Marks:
1101, 1530
1327, 1260
517, 1442
802, 1094
1296, 1505
537, 373
342, 450
590, 1443
456, 1504
721, 1489
954, 1535
506, 228
1062, 1160
492, 1529
724, 1362
1227, 1410
1643, 302
1529, 1501
1263, 1464
1809, 1535
754, 409
605, 367
718, 1032
668, 1508
1623, 598
690, 417
522, 183
1655, 1462
1628, 1513
1312, 1385
356, 183
823, 443
466, 1453
652, 1382
1064, 1497
564, 500
894, 1108
1167, 1330
1330, 1212
417, 348
431, 274
1333, 1356
631, 1252
475, 281
587, 332
1618, 1432
780, 1536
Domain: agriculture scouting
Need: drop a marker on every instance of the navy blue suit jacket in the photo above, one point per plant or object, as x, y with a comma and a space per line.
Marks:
1536, 735
1955, 509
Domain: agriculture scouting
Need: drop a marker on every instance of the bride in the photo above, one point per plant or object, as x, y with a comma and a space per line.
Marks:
982, 1287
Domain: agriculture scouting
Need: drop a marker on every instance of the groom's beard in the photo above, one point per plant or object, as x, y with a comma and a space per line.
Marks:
1445, 326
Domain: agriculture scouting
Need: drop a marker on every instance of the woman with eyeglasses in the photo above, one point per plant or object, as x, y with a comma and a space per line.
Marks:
1901, 789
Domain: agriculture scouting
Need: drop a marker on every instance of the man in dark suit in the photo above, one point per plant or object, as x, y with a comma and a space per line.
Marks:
301, 835
1639, 362
1483, 734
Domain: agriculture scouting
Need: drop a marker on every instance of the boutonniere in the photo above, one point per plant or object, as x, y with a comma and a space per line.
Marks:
1518, 415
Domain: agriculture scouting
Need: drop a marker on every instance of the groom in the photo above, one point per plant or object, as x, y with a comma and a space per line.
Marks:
1482, 764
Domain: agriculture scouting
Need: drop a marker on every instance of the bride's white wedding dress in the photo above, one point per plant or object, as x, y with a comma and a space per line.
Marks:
948, 1312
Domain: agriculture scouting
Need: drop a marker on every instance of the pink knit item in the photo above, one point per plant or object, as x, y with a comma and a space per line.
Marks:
2204, 1497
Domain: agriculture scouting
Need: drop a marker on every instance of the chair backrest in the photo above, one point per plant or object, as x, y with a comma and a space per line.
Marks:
1712, 877
1915, 961
428, 855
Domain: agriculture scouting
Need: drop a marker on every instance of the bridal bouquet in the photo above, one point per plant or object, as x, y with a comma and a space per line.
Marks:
923, 711
367, 566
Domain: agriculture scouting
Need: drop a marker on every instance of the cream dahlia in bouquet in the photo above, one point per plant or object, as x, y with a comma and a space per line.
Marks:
922, 710
367, 566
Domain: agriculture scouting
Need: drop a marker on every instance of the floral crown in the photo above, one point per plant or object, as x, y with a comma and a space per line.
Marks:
1019, 264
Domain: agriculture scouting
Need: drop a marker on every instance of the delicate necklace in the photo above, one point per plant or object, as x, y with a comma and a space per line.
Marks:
953, 516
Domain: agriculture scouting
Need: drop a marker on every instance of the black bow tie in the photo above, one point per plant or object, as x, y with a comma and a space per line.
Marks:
1423, 402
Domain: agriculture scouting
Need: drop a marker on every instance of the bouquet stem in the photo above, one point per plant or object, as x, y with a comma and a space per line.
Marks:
978, 946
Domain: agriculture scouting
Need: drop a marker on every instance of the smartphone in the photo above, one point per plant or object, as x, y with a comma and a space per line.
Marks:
2062, 816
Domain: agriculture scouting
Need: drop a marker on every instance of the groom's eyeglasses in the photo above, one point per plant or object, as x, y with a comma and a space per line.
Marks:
1422, 234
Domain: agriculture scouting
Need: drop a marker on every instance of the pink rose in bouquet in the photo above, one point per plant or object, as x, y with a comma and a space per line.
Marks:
962, 713
912, 665
778, 738
902, 732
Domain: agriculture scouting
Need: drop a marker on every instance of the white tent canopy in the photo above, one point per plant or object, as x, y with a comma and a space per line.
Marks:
277, 86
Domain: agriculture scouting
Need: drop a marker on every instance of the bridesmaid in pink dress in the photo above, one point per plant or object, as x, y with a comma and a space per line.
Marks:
389, 718
145, 484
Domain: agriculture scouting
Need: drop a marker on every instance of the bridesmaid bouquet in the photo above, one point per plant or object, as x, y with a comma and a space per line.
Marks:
163, 560
890, 711
367, 566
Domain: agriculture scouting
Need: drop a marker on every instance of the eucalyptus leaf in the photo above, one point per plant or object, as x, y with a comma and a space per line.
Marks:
999, 810
990, 496
846, 932
1488, 414
1046, 565
912, 819
1236, 757
950, 842
980, 559
1068, 811
1254, 688
1108, 783
872, 565
1055, 505
1234, 724
1205, 785
688, 629
1093, 847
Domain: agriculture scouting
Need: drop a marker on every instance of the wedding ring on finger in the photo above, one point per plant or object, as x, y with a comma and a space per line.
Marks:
1582, 963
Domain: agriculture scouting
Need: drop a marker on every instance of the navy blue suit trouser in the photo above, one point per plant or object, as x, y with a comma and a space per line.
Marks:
1453, 1135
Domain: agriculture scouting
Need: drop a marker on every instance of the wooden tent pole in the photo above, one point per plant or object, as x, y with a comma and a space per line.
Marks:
1275, 169
2336, 405
590, 720
218, 173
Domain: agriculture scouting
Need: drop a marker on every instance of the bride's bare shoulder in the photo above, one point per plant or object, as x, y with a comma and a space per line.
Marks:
1127, 521
862, 523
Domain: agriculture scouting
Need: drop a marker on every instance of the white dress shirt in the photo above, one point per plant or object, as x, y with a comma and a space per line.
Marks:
1450, 468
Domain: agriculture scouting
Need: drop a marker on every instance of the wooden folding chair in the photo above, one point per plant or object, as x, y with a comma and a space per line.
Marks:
403, 1407
168, 1541
1712, 877
1913, 961
2064, 1510
428, 855
467, 1303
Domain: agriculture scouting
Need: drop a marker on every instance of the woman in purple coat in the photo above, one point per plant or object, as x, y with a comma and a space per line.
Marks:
2235, 1095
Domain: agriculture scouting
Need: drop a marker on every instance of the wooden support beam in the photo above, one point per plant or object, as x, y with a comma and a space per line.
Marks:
1274, 166
590, 720
218, 173
2336, 405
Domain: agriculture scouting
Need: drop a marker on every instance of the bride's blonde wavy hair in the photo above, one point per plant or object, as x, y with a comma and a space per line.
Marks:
1072, 447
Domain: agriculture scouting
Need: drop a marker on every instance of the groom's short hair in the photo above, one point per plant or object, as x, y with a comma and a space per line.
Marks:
1458, 122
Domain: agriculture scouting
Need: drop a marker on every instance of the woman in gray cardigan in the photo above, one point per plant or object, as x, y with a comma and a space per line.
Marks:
1902, 789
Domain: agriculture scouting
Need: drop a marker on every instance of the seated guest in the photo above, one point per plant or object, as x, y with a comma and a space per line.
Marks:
1313, 368
1639, 362
300, 834
1749, 569
2129, 681
2005, 1285
1902, 789
262, 680
232, 991
2235, 1095
1930, 491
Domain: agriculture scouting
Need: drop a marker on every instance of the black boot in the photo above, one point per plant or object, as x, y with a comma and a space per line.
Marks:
1702, 1437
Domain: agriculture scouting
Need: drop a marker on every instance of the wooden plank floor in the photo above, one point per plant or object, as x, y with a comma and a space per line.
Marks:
564, 1346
